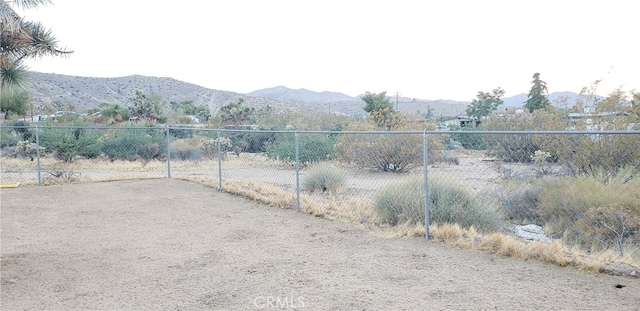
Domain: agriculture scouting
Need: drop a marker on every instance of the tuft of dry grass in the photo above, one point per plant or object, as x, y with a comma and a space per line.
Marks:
409, 229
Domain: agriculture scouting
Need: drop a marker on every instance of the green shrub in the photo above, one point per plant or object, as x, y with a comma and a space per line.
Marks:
181, 133
323, 177
466, 137
593, 212
312, 148
8, 137
404, 201
251, 142
24, 130
133, 143
67, 143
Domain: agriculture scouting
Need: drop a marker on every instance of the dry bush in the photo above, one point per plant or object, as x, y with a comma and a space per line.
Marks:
519, 201
186, 149
387, 152
520, 147
608, 152
593, 214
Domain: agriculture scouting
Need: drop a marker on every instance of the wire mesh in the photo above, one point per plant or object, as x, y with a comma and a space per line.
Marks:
562, 197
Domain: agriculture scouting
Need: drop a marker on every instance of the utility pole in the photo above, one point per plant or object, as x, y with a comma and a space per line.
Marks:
397, 94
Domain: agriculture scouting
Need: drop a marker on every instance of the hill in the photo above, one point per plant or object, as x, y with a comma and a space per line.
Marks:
88, 92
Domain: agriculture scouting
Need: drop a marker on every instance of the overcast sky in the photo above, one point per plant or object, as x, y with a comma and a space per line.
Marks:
420, 49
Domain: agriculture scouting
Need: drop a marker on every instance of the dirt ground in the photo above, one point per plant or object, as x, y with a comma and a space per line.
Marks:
167, 244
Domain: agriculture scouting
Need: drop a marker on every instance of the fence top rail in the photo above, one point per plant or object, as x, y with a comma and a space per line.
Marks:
332, 132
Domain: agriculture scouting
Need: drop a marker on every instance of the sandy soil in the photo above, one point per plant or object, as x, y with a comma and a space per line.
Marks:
167, 244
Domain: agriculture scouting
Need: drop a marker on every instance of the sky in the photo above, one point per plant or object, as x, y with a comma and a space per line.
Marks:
418, 49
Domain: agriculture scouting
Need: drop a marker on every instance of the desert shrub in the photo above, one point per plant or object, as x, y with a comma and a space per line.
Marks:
450, 159
133, 143
312, 148
609, 152
181, 133
466, 137
67, 143
593, 212
400, 202
452, 204
404, 201
92, 151
251, 141
520, 147
149, 151
323, 177
186, 150
14, 131
8, 137
519, 201
385, 152
24, 130
209, 147
25, 149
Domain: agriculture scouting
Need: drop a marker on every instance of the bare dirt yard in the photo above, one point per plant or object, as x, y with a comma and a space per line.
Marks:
167, 244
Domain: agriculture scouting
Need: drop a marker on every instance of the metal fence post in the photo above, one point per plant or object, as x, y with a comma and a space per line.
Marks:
38, 156
297, 144
219, 161
425, 165
168, 151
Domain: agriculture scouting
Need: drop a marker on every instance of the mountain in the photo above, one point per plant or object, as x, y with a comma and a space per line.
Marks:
281, 93
339, 102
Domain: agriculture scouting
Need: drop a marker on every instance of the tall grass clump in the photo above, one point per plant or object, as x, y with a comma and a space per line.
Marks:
323, 177
452, 204
448, 204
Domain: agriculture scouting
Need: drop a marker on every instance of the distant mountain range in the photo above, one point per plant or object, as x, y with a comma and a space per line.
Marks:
86, 92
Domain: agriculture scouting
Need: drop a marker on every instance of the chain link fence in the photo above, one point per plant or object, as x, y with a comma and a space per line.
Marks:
570, 198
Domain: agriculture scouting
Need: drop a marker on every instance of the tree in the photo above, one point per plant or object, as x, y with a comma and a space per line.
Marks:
21, 40
380, 109
113, 112
145, 106
635, 103
14, 103
375, 101
386, 118
485, 104
615, 102
537, 95
236, 112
